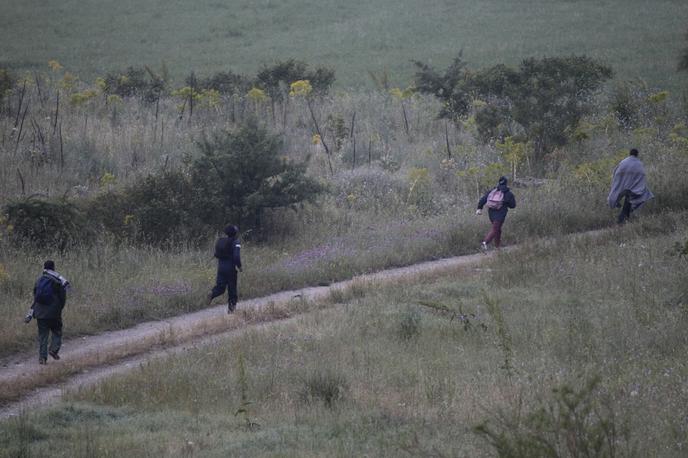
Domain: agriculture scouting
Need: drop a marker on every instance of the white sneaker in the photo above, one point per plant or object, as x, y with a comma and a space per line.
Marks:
483, 246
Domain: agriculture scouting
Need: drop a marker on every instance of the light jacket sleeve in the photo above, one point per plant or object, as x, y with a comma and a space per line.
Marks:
236, 253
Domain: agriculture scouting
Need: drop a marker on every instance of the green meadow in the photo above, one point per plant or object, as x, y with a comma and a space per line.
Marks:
640, 39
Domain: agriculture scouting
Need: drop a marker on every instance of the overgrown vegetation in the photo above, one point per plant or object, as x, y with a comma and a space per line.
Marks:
597, 347
542, 102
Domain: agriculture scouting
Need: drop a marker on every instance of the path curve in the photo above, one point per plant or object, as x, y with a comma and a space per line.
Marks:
87, 360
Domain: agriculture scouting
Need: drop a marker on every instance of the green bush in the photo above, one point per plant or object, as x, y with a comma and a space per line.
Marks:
451, 87
545, 97
275, 79
46, 224
136, 82
228, 83
242, 173
158, 209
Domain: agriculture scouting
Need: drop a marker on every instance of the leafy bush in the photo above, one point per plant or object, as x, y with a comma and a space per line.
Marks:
546, 97
228, 83
136, 82
275, 79
452, 87
239, 174
46, 224
159, 209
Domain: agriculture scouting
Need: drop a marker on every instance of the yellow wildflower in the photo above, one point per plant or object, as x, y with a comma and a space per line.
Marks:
300, 88
257, 95
54, 65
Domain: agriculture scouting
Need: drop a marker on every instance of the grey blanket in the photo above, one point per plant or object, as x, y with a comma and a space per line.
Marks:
629, 176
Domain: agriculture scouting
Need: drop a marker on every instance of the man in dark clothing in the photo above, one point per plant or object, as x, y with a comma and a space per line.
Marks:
498, 200
228, 254
50, 296
628, 182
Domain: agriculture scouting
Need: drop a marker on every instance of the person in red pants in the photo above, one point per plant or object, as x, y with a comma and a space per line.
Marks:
498, 200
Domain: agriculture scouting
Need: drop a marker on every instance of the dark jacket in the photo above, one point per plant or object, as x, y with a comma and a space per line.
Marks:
509, 202
54, 309
228, 253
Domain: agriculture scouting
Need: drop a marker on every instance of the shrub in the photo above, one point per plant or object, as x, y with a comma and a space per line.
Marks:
240, 174
158, 209
275, 79
547, 96
451, 87
46, 224
228, 83
133, 82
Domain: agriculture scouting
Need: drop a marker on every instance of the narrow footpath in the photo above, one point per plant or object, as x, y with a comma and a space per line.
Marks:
85, 361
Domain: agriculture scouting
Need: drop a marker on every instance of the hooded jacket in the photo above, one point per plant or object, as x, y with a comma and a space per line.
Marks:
509, 202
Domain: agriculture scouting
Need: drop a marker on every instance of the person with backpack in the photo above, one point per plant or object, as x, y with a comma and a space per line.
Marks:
49, 298
498, 200
228, 254
628, 182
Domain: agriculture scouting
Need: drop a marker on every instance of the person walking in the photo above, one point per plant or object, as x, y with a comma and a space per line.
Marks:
498, 200
49, 298
629, 185
228, 254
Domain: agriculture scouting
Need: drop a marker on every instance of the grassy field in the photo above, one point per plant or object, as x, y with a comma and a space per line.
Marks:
403, 202
118, 286
640, 39
381, 374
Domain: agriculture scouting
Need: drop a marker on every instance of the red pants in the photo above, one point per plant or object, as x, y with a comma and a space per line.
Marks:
495, 233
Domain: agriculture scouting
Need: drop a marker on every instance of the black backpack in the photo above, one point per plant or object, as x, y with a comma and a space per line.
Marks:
44, 291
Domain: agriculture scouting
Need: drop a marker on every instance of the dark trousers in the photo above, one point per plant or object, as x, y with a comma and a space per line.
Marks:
45, 328
626, 208
495, 233
226, 279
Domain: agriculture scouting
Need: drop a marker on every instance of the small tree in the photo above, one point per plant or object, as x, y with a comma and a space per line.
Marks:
240, 174
546, 98
451, 87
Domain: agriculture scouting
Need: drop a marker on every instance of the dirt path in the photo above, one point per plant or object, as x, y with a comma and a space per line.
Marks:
85, 361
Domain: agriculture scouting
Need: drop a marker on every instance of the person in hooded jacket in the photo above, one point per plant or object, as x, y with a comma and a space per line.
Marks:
228, 254
629, 185
498, 200
50, 296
